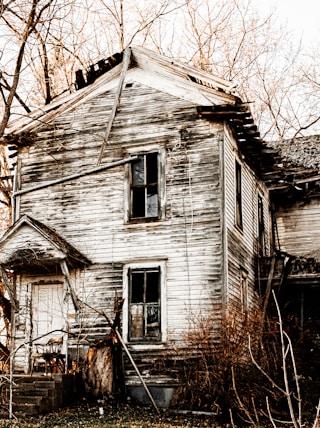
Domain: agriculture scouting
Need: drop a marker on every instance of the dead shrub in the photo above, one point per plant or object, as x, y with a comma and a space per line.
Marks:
217, 373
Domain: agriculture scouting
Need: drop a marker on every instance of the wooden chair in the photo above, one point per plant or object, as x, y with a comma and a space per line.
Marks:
48, 357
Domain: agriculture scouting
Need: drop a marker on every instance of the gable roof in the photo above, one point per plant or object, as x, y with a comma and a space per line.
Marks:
29, 243
214, 98
149, 68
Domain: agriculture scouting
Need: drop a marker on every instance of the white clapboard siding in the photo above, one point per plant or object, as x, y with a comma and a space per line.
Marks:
242, 244
296, 231
89, 212
196, 242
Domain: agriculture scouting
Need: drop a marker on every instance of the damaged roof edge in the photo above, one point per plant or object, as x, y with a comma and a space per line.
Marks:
140, 58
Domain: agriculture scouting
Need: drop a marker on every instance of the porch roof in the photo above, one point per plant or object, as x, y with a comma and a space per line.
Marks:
28, 243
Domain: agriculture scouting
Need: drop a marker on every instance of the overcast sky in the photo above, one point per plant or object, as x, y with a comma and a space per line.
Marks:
302, 16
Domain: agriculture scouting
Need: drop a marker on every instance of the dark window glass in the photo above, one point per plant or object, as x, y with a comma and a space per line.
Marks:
145, 187
238, 195
138, 202
261, 230
138, 289
152, 168
152, 287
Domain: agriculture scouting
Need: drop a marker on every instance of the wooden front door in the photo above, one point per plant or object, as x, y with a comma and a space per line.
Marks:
47, 311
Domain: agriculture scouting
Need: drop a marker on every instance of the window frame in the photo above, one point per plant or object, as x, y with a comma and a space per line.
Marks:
160, 186
261, 226
144, 303
238, 195
147, 265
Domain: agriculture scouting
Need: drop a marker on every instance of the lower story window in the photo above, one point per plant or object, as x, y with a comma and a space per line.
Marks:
144, 304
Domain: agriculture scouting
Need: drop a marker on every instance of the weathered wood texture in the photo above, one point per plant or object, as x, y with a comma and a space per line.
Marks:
89, 212
195, 240
296, 228
242, 243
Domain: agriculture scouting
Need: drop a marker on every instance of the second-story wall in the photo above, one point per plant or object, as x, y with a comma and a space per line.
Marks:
91, 211
248, 230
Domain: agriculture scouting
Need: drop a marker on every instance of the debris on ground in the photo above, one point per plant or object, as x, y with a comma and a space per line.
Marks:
111, 415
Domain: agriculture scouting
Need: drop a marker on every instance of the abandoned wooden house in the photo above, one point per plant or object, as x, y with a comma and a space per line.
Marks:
150, 183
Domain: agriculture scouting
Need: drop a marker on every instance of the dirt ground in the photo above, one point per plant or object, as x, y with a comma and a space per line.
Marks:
87, 415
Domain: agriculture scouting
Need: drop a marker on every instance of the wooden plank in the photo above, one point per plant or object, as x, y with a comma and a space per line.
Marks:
125, 66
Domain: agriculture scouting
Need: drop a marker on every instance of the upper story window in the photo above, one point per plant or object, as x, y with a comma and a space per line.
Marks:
238, 190
147, 187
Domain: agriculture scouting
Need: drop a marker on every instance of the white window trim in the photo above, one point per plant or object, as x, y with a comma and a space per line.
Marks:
163, 298
161, 177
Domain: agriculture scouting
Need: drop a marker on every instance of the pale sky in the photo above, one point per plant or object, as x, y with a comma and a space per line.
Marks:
302, 16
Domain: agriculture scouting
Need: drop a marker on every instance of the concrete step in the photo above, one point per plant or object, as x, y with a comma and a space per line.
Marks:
30, 389
26, 409
35, 395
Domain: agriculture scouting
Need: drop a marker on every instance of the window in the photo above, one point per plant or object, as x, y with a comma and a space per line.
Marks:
144, 194
144, 304
238, 195
261, 230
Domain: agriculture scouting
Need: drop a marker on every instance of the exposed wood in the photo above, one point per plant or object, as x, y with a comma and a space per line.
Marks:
125, 66
66, 274
137, 370
99, 375
158, 119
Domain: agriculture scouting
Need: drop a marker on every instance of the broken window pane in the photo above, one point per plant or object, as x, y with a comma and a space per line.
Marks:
136, 321
152, 202
238, 195
138, 171
153, 321
152, 168
144, 304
